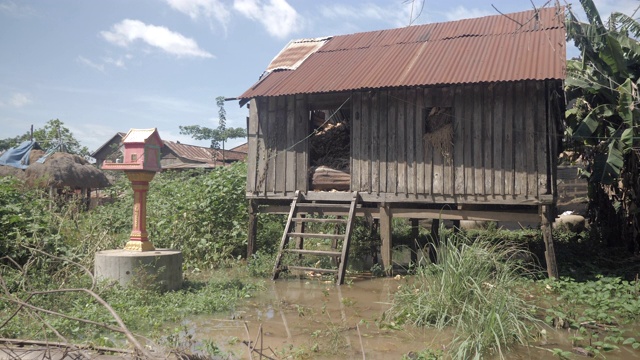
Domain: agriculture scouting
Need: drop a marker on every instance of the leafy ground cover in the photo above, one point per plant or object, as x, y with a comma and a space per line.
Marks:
48, 246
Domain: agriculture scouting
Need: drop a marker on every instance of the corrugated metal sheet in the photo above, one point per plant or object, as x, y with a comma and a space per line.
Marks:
138, 135
295, 53
511, 47
192, 152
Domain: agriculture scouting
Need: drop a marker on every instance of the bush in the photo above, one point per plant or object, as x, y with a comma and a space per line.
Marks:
474, 288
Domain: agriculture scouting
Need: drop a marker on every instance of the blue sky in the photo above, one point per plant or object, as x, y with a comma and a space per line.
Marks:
108, 66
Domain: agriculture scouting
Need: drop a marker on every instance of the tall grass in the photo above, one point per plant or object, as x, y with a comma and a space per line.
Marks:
476, 288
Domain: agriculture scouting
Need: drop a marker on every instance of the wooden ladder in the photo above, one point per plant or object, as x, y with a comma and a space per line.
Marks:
344, 213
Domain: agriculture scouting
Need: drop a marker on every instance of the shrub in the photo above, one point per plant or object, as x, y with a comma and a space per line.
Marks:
475, 288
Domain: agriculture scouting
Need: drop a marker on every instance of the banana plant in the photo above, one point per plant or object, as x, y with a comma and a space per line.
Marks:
602, 87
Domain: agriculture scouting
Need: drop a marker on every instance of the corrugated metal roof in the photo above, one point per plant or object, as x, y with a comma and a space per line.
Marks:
295, 53
139, 135
203, 154
522, 46
192, 152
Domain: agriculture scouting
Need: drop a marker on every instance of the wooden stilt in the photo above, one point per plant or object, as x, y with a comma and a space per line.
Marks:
386, 230
253, 228
547, 233
415, 246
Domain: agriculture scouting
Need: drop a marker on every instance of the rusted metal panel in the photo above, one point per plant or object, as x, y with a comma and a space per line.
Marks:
522, 46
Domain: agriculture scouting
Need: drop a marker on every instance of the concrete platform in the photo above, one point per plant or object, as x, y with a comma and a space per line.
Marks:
144, 269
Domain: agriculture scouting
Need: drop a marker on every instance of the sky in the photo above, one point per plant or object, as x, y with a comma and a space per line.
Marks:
108, 66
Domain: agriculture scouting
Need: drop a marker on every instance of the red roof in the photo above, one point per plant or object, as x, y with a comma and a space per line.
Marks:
527, 45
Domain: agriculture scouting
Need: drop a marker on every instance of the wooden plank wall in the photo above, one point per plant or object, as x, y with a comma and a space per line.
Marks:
278, 151
500, 144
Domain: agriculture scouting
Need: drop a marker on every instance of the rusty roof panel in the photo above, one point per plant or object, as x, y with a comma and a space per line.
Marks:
295, 53
514, 47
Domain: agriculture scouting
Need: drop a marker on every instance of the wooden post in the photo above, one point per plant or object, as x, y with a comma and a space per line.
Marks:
253, 228
386, 230
547, 233
415, 246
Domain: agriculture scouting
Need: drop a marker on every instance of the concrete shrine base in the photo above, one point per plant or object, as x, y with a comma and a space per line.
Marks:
160, 268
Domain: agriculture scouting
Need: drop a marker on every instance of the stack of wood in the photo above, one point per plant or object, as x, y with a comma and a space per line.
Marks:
325, 178
330, 157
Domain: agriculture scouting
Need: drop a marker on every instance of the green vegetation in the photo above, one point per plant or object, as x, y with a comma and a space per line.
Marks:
603, 123
51, 136
474, 288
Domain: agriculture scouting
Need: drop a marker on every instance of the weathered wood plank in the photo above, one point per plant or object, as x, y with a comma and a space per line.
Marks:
498, 135
509, 145
252, 141
460, 113
280, 144
446, 100
302, 146
375, 143
420, 149
468, 139
438, 159
263, 152
487, 139
411, 141
290, 164
520, 139
392, 144
365, 145
428, 148
542, 150
401, 149
531, 118
478, 148
383, 121
356, 157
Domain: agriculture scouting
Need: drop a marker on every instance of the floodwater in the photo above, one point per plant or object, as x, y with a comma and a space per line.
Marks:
315, 319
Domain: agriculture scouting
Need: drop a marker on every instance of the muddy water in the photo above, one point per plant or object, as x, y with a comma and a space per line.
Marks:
314, 319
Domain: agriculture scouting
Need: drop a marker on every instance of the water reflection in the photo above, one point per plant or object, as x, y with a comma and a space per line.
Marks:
316, 319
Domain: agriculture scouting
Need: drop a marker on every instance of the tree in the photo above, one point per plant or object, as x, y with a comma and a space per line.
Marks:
217, 136
603, 122
54, 135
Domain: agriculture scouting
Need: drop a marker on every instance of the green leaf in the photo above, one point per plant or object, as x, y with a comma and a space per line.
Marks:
593, 120
629, 341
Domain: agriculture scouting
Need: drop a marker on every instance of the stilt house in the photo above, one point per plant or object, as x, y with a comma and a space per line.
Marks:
456, 120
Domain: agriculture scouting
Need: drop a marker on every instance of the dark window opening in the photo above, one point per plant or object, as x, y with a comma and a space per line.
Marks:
438, 129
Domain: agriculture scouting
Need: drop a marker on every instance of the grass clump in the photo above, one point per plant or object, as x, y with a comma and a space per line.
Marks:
475, 288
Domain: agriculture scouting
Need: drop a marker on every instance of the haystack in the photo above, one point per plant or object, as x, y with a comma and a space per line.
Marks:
58, 171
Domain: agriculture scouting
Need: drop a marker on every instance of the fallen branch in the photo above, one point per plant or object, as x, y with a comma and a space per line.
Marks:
121, 329
22, 342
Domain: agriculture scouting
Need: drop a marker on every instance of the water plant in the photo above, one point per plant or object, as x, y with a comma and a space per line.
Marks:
475, 288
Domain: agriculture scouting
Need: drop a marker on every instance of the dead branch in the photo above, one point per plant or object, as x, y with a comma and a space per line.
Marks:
23, 342
84, 268
121, 329
361, 344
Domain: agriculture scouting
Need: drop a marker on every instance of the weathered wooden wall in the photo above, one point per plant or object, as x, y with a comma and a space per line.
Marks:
278, 152
502, 150
504, 144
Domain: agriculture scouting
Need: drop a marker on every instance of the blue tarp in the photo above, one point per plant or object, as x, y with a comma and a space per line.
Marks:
19, 156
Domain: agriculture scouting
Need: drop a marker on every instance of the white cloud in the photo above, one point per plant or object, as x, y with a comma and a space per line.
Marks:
395, 15
15, 10
19, 100
210, 9
277, 16
83, 60
461, 12
129, 31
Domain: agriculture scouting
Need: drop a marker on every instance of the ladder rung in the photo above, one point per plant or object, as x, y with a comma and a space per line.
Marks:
315, 252
320, 220
305, 268
319, 236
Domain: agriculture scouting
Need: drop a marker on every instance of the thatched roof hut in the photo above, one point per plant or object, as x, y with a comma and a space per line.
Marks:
58, 171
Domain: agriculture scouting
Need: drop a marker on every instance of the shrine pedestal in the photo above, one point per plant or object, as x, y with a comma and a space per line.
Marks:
160, 267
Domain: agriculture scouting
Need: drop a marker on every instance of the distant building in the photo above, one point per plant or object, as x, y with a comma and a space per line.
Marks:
175, 155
